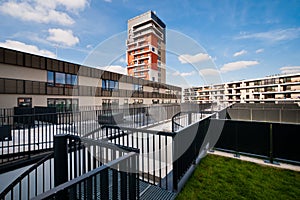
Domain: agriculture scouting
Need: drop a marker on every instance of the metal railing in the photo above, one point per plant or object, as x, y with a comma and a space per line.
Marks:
72, 159
268, 140
155, 151
33, 133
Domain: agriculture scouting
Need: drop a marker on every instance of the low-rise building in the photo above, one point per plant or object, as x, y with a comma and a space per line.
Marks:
32, 80
280, 88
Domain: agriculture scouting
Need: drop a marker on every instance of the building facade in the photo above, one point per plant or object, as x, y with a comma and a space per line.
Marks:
32, 80
146, 48
272, 89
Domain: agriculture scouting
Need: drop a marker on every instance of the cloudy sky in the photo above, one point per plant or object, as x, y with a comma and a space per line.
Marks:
230, 40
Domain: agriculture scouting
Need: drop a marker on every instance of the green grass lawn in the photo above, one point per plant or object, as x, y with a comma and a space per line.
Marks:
219, 177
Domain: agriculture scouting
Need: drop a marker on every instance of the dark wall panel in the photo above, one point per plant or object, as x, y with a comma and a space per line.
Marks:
10, 57
28, 61
286, 138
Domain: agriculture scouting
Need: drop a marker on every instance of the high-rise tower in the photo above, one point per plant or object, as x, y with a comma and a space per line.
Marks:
146, 47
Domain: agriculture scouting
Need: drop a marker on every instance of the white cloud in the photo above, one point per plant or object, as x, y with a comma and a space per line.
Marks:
177, 73
290, 69
109, 1
20, 46
73, 5
61, 36
122, 60
187, 58
273, 36
89, 46
41, 11
239, 53
237, 65
209, 72
259, 50
115, 68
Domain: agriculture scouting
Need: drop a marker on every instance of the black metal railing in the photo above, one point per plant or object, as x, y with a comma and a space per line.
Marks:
185, 118
187, 145
28, 132
105, 182
268, 140
72, 158
33, 181
155, 151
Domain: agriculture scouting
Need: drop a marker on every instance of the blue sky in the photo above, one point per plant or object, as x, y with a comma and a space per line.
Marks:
233, 40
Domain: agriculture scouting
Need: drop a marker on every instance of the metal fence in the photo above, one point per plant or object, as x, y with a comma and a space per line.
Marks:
87, 163
269, 140
29, 131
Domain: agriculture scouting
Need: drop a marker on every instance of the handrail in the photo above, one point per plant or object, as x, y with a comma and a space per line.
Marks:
165, 133
79, 179
26, 173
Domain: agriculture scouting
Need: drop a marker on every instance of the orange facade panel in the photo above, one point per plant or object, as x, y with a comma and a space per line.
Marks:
154, 61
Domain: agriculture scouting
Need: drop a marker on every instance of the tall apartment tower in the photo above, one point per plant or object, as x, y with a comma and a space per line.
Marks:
146, 47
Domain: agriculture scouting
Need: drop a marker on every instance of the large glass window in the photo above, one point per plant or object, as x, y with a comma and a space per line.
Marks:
50, 78
74, 80
69, 79
110, 85
63, 105
60, 78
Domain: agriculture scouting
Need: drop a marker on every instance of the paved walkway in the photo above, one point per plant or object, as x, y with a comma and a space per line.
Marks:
257, 160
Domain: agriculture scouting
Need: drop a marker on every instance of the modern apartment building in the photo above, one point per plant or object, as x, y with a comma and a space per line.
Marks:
272, 89
32, 80
146, 48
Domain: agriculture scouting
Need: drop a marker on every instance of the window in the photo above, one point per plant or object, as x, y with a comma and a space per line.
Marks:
110, 85
153, 78
63, 105
60, 78
153, 49
69, 79
24, 102
137, 87
50, 78
110, 103
74, 79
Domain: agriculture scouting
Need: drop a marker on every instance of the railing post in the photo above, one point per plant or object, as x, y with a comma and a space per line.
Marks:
271, 143
60, 159
189, 118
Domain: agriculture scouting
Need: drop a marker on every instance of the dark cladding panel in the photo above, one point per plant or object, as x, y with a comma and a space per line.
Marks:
10, 86
55, 65
71, 68
10, 57
28, 87
36, 62
43, 63
1, 55
76, 68
105, 75
2, 86
49, 65
28, 62
61, 66
20, 86
66, 68
20, 59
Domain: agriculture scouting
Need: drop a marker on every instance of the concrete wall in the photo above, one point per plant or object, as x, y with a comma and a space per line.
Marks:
24, 73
